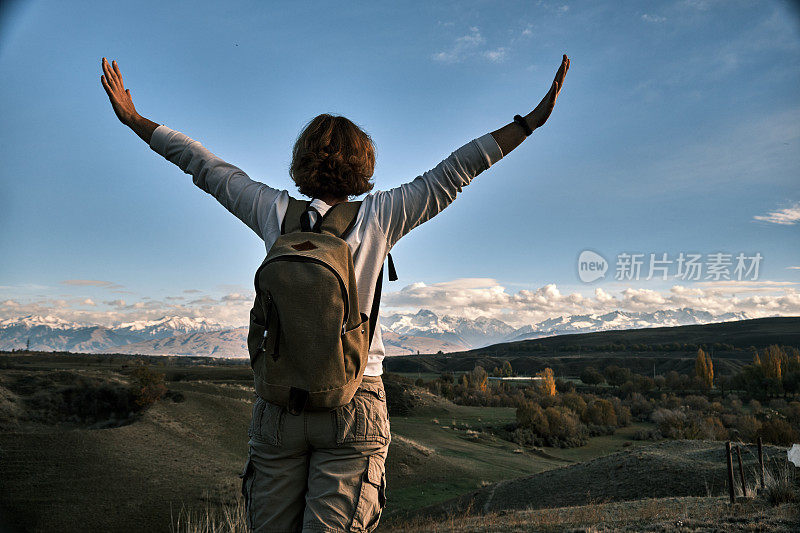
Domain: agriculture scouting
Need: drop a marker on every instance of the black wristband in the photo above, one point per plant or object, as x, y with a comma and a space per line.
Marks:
521, 121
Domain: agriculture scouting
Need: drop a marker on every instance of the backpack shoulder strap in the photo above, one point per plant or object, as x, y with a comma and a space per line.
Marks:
376, 299
291, 220
340, 218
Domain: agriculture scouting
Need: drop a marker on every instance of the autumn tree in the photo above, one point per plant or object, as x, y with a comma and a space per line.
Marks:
773, 362
478, 379
506, 370
704, 369
547, 382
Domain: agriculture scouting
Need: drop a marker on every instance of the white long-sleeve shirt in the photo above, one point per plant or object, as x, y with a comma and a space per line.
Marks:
384, 216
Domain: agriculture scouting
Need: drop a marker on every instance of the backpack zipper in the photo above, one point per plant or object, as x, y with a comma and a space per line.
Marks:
304, 259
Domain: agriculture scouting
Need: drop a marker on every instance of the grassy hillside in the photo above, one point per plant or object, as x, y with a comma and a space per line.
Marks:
64, 471
661, 470
759, 332
641, 350
687, 515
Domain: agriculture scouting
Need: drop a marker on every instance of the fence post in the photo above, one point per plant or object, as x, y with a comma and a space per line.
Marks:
730, 471
741, 471
761, 463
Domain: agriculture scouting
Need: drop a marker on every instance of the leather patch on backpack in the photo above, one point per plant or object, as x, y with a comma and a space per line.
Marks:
304, 246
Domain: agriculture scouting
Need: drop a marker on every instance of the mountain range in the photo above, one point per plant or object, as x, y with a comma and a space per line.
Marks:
403, 333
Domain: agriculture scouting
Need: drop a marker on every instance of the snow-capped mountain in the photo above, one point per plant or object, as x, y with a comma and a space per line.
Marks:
224, 343
48, 333
403, 333
33, 321
622, 320
457, 331
167, 327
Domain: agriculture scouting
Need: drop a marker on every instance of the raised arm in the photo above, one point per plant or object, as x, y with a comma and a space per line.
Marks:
511, 135
247, 199
122, 102
403, 208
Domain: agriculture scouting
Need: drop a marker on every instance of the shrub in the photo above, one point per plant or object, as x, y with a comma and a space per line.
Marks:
670, 422
575, 403
553, 426
640, 407
563, 385
616, 375
647, 434
671, 401
733, 402
531, 415
792, 413
591, 376
748, 427
777, 431
755, 407
697, 403
777, 404
622, 411
600, 413
565, 428
147, 386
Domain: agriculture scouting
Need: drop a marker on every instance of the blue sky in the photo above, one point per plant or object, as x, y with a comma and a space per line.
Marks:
678, 125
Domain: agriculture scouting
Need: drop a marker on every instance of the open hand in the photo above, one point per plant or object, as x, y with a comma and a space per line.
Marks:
120, 97
539, 116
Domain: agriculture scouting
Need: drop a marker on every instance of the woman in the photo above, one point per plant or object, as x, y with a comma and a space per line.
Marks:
324, 471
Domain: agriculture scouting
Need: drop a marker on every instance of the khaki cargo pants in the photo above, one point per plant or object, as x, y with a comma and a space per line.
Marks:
320, 471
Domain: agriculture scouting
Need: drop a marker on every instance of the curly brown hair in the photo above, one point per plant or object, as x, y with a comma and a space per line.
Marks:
332, 157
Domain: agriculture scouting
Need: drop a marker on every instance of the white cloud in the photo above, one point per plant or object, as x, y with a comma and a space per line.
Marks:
91, 283
236, 297
463, 47
745, 285
653, 18
702, 5
468, 297
785, 217
794, 268
497, 55
472, 45
553, 7
486, 297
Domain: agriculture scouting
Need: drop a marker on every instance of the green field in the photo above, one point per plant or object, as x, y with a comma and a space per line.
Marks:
473, 462
65, 474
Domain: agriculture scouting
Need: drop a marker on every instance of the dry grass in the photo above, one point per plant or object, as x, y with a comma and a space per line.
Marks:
212, 518
664, 514
780, 484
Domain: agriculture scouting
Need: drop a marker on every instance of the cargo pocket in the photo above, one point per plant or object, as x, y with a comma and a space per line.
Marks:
267, 422
365, 418
248, 472
372, 496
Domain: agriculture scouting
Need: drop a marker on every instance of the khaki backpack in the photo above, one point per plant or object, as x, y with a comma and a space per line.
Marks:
308, 341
